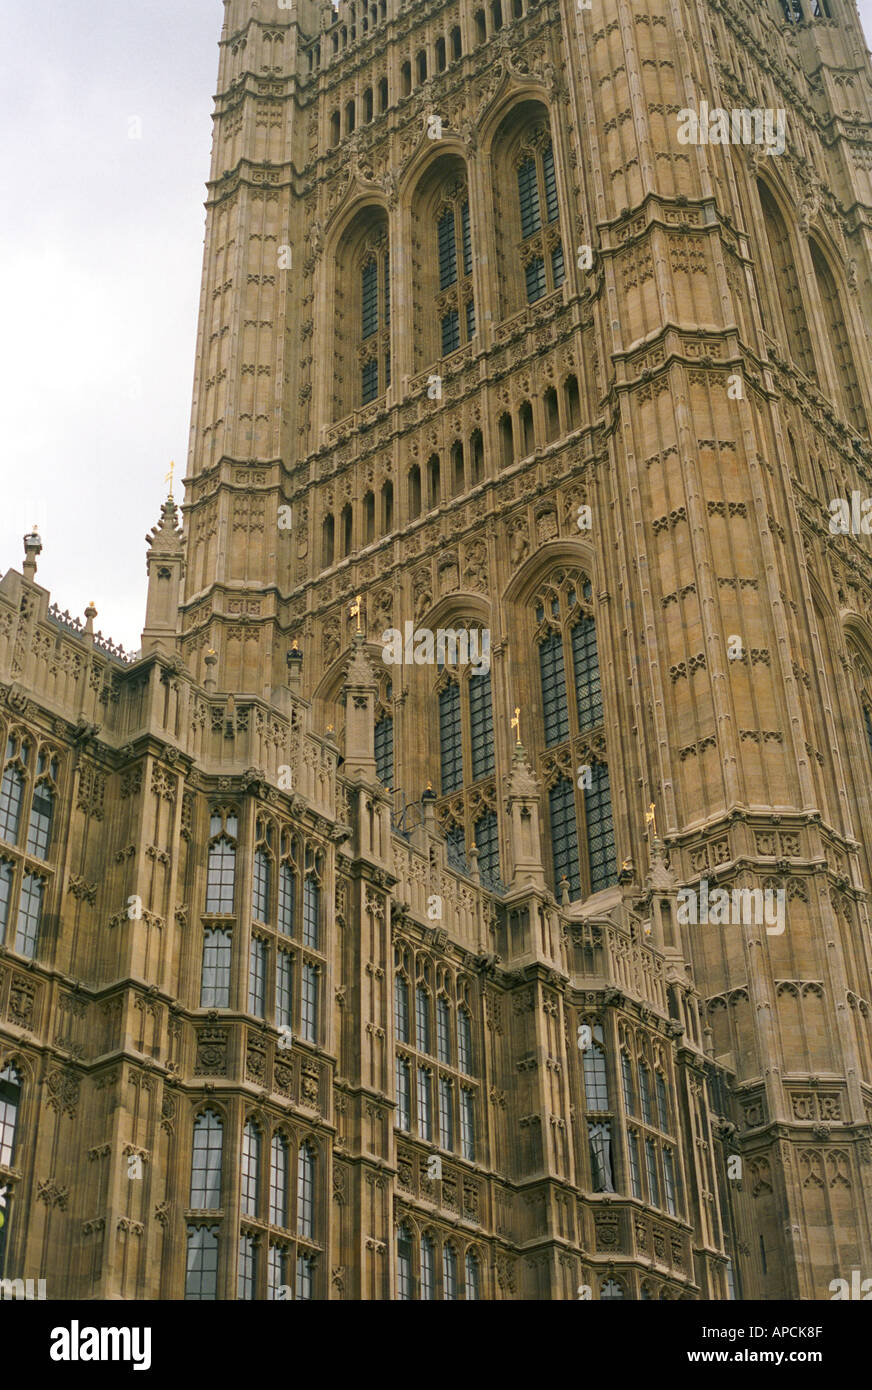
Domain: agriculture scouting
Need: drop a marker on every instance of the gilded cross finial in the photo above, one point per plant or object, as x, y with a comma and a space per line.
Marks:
516, 723
356, 610
169, 477
650, 820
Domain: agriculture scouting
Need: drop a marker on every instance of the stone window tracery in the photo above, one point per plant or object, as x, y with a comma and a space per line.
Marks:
572, 723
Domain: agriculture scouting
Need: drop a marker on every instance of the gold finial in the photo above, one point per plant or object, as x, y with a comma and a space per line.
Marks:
295, 646
330, 728
649, 819
169, 477
356, 610
516, 724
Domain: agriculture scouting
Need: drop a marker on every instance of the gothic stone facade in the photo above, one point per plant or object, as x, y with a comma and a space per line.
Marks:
276, 1017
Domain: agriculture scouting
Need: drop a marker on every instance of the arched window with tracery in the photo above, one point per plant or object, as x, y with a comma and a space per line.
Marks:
467, 809
206, 1162
10, 1101
384, 733
528, 224
784, 284
306, 1191
574, 762
363, 303
443, 264
839, 339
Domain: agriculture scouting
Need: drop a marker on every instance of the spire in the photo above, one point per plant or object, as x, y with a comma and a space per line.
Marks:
165, 566
360, 690
32, 548
523, 806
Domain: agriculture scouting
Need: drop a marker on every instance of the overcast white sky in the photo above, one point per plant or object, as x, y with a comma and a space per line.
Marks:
101, 240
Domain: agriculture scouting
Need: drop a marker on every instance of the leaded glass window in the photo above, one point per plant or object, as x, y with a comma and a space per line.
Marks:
29, 911
217, 958
221, 876
206, 1162
428, 1268
564, 836
467, 1124
11, 797
481, 725
595, 1079
384, 750
404, 1264
287, 900
10, 1099
401, 1008
201, 1270
311, 912
284, 990
257, 977
443, 1030
261, 886
309, 1003
472, 1276
250, 1174
425, 1103
306, 1191
541, 250
404, 1095
464, 1042
446, 1113
39, 830
278, 1181
450, 744
449, 1272
422, 1019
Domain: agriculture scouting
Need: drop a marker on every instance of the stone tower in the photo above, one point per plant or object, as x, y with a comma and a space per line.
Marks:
514, 628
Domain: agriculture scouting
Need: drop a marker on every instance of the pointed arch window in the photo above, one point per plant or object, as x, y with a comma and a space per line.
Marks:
645, 1093
422, 1019
449, 1272
467, 811
611, 1290
785, 283
840, 343
206, 1162
29, 913
596, 1086
309, 1003
443, 1030
633, 1163
201, 1270
261, 885
574, 766
278, 1189
375, 319
471, 1270
311, 912
450, 740
428, 1268
11, 797
306, 1191
257, 967
401, 1009
455, 302
384, 736
217, 960
627, 1083
41, 814
464, 1042
425, 1103
10, 1100
404, 1263
287, 899
305, 1278
540, 247
250, 1175
404, 1095
446, 1113
6, 876
221, 871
